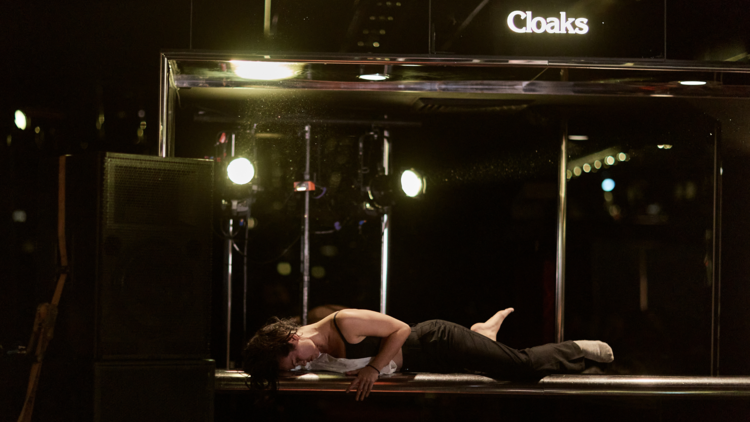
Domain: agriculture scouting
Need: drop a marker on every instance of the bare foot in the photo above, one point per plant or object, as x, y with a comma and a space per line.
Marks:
490, 327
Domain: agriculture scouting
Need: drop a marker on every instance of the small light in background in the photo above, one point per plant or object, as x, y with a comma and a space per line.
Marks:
622, 156
284, 268
19, 216
37, 129
597, 164
578, 137
577, 171
20, 120
608, 185
664, 146
569, 174
318, 272
608, 196
587, 167
692, 83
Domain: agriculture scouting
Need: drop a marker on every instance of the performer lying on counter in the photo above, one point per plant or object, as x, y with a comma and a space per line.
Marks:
433, 346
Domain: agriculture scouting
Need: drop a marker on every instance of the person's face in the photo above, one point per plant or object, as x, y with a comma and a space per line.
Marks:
304, 351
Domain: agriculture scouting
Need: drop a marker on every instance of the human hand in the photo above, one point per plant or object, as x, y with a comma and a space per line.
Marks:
366, 377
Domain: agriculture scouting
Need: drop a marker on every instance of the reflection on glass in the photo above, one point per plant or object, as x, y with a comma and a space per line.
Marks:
636, 239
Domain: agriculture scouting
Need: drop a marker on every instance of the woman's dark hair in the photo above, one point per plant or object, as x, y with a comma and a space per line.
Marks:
262, 353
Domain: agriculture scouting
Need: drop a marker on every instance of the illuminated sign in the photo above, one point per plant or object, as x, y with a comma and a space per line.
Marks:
564, 25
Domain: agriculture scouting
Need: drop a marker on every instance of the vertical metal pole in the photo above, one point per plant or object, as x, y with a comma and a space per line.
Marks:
561, 218
716, 261
267, 19
163, 95
306, 233
385, 225
228, 278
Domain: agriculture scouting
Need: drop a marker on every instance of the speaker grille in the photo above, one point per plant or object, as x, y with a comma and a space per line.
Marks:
155, 258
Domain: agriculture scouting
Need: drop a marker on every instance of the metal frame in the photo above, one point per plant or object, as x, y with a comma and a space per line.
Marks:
170, 82
553, 385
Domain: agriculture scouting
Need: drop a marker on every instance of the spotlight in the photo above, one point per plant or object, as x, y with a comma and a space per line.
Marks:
412, 183
21, 120
240, 171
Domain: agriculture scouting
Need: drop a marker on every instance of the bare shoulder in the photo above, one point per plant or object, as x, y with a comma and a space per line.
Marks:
363, 322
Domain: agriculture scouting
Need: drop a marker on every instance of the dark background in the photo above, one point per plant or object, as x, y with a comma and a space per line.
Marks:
87, 73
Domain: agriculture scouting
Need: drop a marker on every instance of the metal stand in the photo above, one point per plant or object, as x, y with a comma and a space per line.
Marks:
385, 231
305, 258
561, 217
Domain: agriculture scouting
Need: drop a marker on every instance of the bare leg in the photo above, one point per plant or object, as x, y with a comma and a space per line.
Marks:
490, 327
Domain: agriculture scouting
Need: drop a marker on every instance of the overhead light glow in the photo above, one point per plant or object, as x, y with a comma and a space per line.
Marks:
608, 185
665, 146
578, 137
412, 183
240, 171
373, 77
693, 83
20, 120
265, 71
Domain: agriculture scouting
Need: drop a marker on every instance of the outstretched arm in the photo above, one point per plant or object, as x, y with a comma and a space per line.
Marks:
356, 324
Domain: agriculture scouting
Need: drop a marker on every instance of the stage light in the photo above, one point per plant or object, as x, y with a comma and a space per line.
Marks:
412, 183
240, 171
608, 185
265, 71
692, 83
20, 119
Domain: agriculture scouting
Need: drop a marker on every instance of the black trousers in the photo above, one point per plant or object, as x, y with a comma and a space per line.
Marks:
444, 347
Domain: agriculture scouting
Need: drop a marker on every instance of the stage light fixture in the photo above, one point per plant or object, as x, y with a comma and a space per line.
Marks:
240, 171
21, 120
265, 71
412, 183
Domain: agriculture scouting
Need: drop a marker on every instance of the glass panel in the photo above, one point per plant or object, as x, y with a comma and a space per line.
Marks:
639, 239
483, 236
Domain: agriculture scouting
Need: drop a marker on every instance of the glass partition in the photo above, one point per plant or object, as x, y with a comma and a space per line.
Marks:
487, 137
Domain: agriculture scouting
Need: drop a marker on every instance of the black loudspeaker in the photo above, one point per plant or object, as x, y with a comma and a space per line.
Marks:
139, 391
133, 328
139, 246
